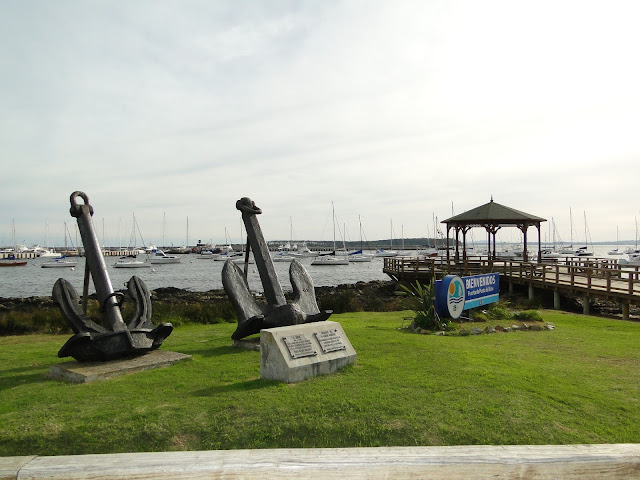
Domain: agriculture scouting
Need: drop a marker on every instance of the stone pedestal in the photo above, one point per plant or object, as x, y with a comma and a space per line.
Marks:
85, 372
294, 353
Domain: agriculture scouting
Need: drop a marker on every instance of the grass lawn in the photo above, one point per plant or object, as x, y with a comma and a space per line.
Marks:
577, 384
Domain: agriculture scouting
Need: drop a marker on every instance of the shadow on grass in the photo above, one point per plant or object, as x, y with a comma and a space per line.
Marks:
246, 386
214, 351
15, 377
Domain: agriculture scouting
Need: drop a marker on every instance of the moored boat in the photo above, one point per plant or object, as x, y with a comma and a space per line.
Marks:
159, 257
61, 262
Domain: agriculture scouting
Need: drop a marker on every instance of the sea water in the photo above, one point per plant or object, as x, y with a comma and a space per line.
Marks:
197, 275
192, 273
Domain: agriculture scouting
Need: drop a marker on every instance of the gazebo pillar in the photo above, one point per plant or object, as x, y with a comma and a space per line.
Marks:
539, 244
525, 257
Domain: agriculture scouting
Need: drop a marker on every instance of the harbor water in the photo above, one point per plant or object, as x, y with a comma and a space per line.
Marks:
193, 274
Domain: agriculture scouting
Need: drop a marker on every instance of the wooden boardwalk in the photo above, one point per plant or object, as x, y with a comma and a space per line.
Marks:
589, 277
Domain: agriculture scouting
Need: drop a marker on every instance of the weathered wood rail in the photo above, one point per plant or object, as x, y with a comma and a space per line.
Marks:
543, 462
588, 277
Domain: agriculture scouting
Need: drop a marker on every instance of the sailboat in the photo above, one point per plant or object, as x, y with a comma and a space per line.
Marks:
285, 253
131, 261
584, 251
331, 259
11, 256
358, 255
616, 251
569, 250
387, 253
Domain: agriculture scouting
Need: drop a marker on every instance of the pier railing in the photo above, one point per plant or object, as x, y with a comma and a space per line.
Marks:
587, 275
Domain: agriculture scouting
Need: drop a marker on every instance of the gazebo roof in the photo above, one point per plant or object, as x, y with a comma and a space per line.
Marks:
493, 213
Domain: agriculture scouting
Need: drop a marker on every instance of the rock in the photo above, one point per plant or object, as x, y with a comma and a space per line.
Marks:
476, 331
464, 333
550, 326
441, 334
499, 328
508, 329
516, 327
489, 329
536, 328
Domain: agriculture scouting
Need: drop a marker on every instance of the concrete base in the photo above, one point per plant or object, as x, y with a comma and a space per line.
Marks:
76, 372
295, 353
252, 343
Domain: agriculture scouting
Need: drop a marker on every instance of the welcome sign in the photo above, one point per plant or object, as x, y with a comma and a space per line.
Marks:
481, 290
455, 294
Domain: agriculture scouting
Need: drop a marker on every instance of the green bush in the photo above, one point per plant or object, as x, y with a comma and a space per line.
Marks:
499, 311
531, 315
421, 299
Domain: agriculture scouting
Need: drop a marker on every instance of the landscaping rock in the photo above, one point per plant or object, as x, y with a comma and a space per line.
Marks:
476, 331
489, 329
464, 333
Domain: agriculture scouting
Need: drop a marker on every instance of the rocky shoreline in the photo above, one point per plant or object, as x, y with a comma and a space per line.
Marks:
373, 296
361, 296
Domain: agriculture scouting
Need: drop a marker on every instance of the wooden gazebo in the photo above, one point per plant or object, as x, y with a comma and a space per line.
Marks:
492, 217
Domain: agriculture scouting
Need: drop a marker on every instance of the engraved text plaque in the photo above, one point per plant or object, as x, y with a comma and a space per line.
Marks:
330, 341
299, 346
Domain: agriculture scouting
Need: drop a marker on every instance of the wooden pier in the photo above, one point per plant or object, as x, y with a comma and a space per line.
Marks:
587, 277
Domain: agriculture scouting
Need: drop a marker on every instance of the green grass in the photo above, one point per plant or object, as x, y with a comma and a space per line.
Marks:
576, 384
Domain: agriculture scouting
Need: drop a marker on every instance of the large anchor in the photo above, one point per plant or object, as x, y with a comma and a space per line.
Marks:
114, 338
252, 317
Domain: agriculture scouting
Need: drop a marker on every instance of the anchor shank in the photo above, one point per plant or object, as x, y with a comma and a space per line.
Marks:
97, 266
272, 289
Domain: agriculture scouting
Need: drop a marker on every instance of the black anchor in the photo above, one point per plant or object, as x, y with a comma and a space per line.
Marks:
114, 338
252, 317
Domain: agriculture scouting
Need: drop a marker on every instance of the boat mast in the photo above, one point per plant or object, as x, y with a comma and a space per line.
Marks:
333, 214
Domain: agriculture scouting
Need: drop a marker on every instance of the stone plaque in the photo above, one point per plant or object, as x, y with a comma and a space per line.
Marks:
294, 353
330, 341
299, 346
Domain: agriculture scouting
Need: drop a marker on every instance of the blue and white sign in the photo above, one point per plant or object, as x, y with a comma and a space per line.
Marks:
481, 290
455, 294
450, 297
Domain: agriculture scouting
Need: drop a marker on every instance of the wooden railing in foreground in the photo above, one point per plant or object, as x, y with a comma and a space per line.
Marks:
603, 462
589, 276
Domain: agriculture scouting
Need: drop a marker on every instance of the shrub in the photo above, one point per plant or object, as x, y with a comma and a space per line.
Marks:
531, 315
421, 299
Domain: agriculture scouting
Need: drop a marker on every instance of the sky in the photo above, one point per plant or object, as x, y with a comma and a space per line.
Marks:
396, 112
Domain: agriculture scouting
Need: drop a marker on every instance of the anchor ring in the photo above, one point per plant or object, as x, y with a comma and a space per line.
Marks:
119, 296
76, 209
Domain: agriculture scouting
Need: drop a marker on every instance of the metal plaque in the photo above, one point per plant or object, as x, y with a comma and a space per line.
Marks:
299, 346
330, 341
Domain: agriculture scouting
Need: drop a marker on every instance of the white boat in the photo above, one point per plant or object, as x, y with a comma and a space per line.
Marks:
358, 256
331, 258
61, 262
159, 257
224, 256
130, 261
385, 253
632, 260
282, 257
303, 252
206, 255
